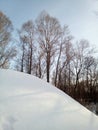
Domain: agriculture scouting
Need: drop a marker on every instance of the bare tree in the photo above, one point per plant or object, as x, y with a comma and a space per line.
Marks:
88, 63
64, 73
7, 52
40, 65
80, 52
26, 35
63, 51
48, 31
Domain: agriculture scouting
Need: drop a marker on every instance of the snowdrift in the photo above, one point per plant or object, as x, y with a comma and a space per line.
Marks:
28, 103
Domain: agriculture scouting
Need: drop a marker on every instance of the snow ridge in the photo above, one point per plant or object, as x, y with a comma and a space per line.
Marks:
28, 103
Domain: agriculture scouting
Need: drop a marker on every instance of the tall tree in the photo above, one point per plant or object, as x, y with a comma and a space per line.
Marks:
81, 50
26, 35
64, 73
48, 31
63, 48
7, 52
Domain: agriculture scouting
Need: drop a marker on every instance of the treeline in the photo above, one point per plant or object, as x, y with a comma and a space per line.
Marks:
47, 50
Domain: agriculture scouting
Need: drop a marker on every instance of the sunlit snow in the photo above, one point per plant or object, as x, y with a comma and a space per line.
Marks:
28, 103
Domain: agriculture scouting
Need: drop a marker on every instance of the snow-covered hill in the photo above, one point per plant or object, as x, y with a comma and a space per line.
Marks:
28, 103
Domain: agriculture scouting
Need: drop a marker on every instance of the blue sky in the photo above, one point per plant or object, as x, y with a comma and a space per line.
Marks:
78, 14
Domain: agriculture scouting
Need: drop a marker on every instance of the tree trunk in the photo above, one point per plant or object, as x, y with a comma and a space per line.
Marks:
30, 61
55, 82
23, 48
48, 67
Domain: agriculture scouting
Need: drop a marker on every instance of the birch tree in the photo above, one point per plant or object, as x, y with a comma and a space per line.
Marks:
48, 31
7, 52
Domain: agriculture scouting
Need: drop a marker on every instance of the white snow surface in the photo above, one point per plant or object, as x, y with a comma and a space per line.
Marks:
29, 103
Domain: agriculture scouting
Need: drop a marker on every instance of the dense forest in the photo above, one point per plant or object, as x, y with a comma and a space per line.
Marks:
46, 49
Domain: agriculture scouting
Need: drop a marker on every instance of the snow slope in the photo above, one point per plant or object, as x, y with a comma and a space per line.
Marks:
28, 103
